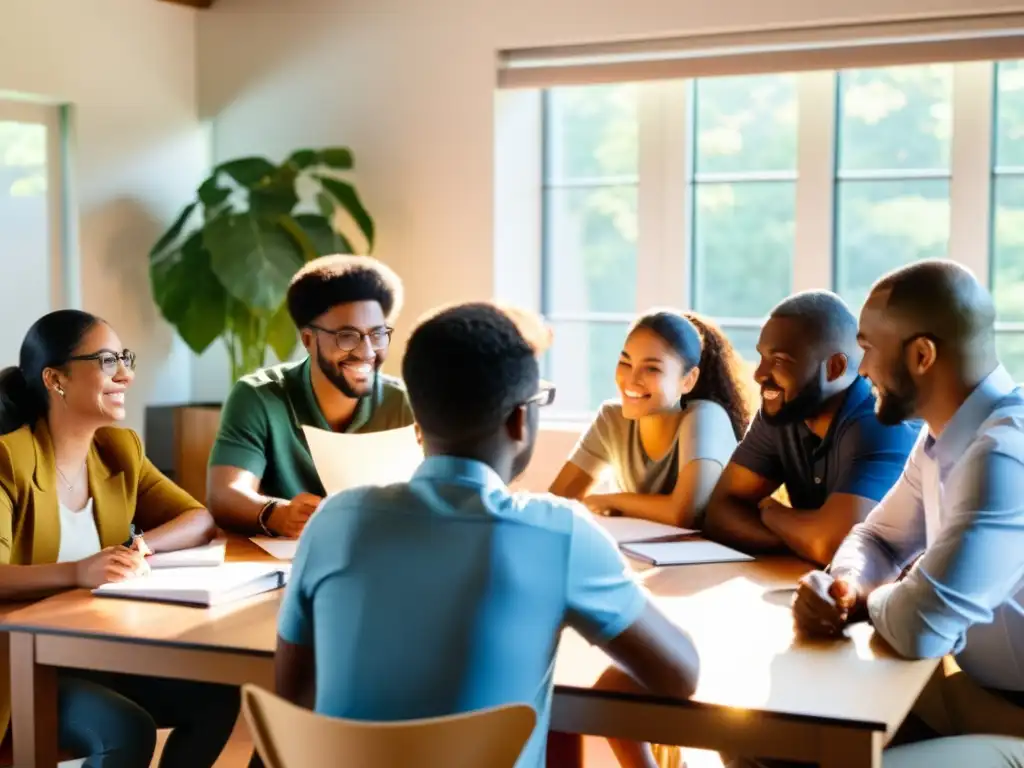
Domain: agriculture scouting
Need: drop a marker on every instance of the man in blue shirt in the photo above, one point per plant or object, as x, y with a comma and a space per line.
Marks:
815, 433
447, 594
938, 566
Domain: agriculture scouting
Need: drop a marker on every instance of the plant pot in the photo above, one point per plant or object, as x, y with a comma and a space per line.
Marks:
178, 440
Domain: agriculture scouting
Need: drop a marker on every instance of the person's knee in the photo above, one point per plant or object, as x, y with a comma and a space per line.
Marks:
135, 737
219, 705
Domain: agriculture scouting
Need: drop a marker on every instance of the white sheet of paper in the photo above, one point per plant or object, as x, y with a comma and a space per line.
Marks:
691, 552
346, 461
205, 556
201, 586
626, 530
282, 549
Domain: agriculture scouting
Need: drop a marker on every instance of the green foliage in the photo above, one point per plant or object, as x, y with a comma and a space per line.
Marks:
897, 121
222, 268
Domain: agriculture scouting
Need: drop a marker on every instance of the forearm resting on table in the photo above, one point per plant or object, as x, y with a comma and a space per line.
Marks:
234, 499
27, 582
817, 534
736, 522
659, 507
189, 529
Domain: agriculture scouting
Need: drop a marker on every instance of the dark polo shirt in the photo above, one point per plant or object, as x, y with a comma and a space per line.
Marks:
858, 455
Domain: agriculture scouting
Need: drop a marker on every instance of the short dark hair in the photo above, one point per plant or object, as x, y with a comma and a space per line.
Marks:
943, 299
465, 368
342, 279
825, 317
49, 343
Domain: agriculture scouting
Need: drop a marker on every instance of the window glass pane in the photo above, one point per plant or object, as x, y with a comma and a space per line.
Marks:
896, 118
24, 232
590, 249
746, 124
744, 340
882, 225
581, 363
743, 247
1010, 347
1008, 248
591, 132
1010, 113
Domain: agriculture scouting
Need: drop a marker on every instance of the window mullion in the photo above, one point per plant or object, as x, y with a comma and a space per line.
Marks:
970, 187
815, 185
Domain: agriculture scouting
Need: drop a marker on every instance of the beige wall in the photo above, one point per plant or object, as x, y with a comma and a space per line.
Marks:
409, 85
128, 68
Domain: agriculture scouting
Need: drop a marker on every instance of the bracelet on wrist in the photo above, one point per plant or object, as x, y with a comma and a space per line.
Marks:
264, 516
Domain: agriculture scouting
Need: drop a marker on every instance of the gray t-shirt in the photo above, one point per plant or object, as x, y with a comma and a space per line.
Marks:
705, 432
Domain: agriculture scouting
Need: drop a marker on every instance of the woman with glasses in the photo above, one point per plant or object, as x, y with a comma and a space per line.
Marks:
76, 493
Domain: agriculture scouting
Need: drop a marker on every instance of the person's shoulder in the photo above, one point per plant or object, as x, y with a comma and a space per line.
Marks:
1003, 430
543, 510
17, 454
119, 448
271, 380
707, 409
864, 427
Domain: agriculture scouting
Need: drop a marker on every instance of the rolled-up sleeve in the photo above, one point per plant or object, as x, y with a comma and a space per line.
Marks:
974, 565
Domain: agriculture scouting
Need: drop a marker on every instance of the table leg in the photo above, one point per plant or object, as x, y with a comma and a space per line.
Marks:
851, 749
33, 706
565, 750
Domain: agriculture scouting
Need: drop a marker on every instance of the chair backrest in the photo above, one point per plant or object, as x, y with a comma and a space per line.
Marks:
288, 736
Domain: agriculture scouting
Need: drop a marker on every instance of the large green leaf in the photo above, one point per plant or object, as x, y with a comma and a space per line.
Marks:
348, 199
281, 333
212, 195
339, 158
253, 257
172, 234
247, 171
189, 294
276, 195
302, 158
321, 235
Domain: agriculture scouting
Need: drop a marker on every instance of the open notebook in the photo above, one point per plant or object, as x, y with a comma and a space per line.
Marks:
205, 587
689, 552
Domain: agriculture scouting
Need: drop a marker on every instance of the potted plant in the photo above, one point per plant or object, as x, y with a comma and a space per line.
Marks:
222, 269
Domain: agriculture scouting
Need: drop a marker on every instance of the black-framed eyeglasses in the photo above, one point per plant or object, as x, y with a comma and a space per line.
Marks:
347, 339
544, 397
109, 361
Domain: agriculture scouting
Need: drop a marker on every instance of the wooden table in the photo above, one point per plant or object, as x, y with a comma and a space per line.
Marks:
761, 693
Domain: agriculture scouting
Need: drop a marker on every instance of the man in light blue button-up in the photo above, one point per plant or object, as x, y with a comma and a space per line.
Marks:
938, 565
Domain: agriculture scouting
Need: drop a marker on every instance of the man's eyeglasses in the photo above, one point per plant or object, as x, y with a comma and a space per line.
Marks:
108, 360
348, 339
545, 397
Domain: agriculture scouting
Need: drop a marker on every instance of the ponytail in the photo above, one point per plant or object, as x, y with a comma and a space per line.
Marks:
722, 379
18, 406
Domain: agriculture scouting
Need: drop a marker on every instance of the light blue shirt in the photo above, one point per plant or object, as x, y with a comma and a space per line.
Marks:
960, 501
448, 593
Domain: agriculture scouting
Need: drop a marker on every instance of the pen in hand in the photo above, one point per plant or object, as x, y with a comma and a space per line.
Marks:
138, 544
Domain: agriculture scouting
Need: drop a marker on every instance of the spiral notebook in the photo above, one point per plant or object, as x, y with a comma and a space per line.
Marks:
205, 587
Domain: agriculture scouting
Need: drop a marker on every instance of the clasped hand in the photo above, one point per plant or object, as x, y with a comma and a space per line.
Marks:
823, 605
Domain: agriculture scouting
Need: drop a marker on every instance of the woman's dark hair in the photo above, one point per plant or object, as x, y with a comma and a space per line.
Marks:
699, 341
49, 343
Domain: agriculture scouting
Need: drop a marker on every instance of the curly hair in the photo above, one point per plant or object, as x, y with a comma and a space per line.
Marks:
723, 376
328, 281
699, 341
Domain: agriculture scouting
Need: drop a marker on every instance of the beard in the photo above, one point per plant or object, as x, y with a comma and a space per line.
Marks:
898, 402
334, 374
806, 404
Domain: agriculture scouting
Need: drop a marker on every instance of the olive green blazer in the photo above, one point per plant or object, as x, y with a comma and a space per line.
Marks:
124, 485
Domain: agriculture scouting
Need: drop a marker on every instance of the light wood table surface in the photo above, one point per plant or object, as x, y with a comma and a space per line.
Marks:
762, 691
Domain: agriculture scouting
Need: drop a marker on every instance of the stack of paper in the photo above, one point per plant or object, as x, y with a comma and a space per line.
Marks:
346, 461
627, 530
282, 549
211, 554
691, 552
201, 586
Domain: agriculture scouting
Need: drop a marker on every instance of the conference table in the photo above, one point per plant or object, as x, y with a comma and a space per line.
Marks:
762, 690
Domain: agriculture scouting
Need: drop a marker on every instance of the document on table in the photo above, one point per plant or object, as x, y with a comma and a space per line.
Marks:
346, 461
690, 552
282, 549
205, 587
628, 530
208, 555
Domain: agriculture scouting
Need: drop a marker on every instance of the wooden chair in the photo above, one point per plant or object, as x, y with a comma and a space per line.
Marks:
288, 736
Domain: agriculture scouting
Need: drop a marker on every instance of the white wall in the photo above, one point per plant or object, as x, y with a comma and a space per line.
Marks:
128, 68
409, 85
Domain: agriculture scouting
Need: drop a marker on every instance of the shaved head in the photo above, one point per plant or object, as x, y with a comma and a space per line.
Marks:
942, 299
824, 317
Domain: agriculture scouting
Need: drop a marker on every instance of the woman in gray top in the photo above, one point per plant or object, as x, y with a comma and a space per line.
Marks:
683, 406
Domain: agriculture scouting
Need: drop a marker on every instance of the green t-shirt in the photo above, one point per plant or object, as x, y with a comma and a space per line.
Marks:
261, 425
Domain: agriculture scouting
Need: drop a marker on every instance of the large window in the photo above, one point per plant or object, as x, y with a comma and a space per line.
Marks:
727, 194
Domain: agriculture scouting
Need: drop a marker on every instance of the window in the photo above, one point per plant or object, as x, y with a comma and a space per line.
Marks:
590, 236
893, 170
744, 197
1008, 215
727, 194
28, 212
